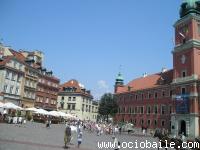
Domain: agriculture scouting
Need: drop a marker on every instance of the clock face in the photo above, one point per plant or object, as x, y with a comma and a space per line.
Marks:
183, 59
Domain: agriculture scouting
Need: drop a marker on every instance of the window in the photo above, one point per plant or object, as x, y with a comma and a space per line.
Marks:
148, 109
86, 108
163, 109
155, 122
41, 99
183, 74
17, 91
156, 95
63, 98
129, 110
74, 98
141, 110
170, 109
73, 106
15, 64
47, 100
18, 78
13, 76
20, 67
69, 107
135, 110
136, 97
83, 100
141, 121
163, 93
171, 93
52, 102
183, 91
89, 108
163, 123
69, 98
119, 111
199, 29
11, 89
155, 109
62, 105
83, 107
148, 122
149, 95
5, 88
7, 74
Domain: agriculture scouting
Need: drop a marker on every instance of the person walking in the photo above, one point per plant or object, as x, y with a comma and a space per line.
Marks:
116, 143
67, 135
79, 138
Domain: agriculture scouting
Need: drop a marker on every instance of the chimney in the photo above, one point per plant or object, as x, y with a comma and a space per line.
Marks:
164, 70
144, 75
1, 55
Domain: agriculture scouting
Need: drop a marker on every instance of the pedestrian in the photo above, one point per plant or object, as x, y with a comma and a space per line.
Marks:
120, 130
116, 143
67, 135
79, 139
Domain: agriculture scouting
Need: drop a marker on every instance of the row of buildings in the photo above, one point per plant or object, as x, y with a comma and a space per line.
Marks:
168, 99
25, 82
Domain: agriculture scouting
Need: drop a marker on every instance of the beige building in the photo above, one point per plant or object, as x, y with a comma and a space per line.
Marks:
11, 77
73, 98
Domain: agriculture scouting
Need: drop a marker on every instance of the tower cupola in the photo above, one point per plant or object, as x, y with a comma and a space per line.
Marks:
190, 7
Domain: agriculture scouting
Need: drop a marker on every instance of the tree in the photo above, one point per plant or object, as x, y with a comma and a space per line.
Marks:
108, 106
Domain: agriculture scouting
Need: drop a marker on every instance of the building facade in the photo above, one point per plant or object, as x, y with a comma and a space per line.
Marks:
73, 98
47, 90
11, 79
168, 99
25, 81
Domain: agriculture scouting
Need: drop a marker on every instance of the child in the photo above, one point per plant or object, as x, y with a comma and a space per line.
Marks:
79, 139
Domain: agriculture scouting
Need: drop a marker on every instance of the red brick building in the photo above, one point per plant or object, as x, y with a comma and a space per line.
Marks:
168, 99
146, 101
47, 90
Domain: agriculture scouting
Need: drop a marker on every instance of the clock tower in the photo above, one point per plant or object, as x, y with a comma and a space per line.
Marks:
186, 66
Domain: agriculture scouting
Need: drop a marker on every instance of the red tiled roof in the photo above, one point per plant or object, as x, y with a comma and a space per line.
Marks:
73, 84
5, 60
18, 55
150, 81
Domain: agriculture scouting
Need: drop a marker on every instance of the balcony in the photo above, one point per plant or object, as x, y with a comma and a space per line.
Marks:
185, 79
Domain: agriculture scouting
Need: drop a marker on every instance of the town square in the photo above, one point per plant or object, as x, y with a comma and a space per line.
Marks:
89, 75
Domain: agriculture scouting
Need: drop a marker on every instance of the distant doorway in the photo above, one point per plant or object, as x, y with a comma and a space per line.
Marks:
182, 127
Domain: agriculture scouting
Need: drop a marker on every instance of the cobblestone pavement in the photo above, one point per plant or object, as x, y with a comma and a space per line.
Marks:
35, 136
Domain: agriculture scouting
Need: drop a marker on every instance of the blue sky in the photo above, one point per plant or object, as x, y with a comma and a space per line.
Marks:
88, 40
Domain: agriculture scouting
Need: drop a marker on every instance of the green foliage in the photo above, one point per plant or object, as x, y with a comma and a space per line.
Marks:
29, 117
18, 113
108, 105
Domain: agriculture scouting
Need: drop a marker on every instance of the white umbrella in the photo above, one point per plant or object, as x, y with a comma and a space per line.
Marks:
1, 104
41, 111
69, 116
11, 106
62, 114
31, 109
54, 113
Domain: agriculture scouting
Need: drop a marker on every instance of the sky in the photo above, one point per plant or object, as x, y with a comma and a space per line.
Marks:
88, 40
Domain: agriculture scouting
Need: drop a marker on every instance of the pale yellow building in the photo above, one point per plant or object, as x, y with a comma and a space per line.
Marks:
73, 98
12, 72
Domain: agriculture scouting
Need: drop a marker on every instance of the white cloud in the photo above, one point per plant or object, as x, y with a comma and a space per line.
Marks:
102, 88
102, 84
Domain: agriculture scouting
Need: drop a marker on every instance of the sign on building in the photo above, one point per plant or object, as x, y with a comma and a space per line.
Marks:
182, 104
